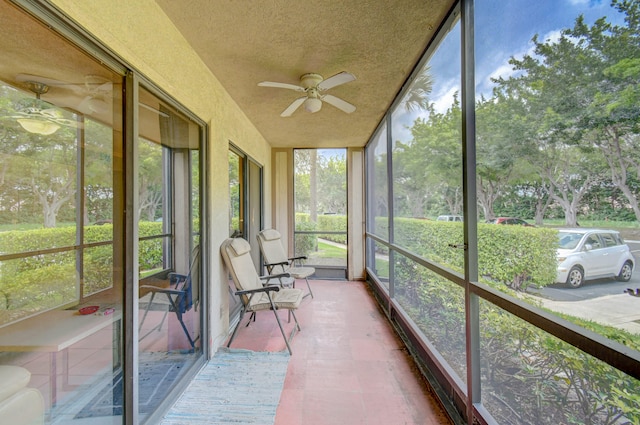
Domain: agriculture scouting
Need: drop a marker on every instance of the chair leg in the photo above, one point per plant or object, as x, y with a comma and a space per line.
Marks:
146, 311
309, 286
286, 340
175, 308
295, 319
235, 330
144, 316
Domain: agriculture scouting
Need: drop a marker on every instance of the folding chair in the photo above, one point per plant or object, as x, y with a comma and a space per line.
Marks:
255, 292
277, 260
179, 295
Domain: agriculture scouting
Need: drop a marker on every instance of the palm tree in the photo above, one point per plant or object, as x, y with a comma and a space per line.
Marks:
417, 97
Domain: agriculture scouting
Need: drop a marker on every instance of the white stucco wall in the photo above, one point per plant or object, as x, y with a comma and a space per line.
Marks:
140, 33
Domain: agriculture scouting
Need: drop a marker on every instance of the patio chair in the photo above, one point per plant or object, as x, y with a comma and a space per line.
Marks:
179, 291
276, 260
256, 292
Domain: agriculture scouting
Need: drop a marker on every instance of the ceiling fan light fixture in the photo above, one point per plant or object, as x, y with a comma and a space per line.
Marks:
36, 126
312, 104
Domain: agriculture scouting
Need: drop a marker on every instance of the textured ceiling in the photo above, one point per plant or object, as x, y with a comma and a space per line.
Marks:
245, 42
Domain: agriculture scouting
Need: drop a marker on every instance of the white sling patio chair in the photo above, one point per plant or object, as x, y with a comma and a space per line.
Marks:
256, 292
276, 260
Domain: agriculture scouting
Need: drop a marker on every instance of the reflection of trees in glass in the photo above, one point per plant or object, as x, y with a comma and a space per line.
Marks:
234, 192
150, 179
195, 185
98, 172
38, 172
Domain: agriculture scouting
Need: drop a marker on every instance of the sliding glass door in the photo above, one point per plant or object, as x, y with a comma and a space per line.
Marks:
84, 202
61, 281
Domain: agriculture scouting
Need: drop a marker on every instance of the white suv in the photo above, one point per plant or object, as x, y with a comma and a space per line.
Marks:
449, 218
585, 254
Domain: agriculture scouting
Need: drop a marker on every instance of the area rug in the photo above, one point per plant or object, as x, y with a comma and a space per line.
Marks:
234, 387
157, 373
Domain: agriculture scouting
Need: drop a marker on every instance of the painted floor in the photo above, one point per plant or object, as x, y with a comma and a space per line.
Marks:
347, 367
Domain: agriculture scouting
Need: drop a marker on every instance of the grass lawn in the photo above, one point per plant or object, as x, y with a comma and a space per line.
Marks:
326, 250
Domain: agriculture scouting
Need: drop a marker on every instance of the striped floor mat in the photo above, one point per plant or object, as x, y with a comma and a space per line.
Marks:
234, 387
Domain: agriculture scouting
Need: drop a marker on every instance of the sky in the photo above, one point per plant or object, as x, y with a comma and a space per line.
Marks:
503, 29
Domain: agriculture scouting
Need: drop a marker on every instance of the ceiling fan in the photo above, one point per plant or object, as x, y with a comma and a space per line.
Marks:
314, 86
39, 116
93, 96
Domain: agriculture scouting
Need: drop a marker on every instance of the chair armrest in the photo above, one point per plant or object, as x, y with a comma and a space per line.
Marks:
162, 290
275, 276
258, 290
176, 277
281, 263
301, 257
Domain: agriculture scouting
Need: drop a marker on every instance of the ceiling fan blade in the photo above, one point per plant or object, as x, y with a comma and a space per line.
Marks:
336, 80
48, 81
281, 85
339, 103
292, 108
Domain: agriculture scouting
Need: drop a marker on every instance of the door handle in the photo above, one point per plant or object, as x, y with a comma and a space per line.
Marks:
458, 246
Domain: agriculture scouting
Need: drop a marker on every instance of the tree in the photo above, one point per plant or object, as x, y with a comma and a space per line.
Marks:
555, 86
320, 182
150, 179
611, 120
502, 139
427, 169
582, 93
417, 98
37, 171
332, 184
98, 171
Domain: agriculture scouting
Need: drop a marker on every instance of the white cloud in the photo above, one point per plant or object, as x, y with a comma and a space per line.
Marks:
505, 71
444, 101
551, 36
579, 2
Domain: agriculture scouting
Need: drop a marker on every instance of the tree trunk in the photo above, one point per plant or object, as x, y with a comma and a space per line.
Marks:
50, 207
569, 201
313, 186
542, 203
617, 161
486, 198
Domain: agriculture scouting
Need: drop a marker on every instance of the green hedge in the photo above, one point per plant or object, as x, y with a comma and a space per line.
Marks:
333, 223
39, 282
514, 256
305, 244
528, 376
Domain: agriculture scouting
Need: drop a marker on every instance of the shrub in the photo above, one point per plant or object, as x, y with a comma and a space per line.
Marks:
305, 243
37, 282
514, 256
528, 376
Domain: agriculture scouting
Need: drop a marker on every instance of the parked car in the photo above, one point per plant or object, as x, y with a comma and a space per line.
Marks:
510, 220
586, 254
449, 218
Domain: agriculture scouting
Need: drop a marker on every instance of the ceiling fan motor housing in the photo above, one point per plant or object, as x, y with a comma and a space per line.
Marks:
310, 80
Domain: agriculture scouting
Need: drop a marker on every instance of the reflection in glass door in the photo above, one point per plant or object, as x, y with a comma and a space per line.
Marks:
168, 250
245, 212
61, 284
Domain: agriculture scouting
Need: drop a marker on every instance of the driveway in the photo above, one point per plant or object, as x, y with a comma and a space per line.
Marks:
603, 300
